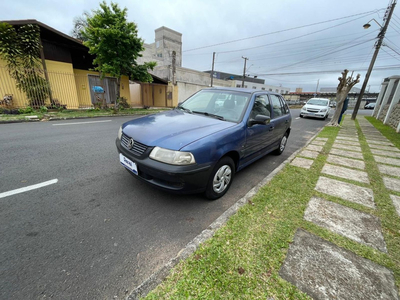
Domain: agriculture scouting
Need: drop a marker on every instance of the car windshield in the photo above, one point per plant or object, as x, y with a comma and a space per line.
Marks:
220, 104
320, 102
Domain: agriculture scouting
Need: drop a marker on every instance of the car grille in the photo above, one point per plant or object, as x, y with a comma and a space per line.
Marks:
137, 149
312, 110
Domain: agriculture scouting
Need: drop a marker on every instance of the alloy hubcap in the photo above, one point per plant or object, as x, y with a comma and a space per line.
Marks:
222, 178
283, 143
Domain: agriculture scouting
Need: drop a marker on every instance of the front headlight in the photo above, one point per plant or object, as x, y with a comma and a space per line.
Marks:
304, 108
172, 157
120, 133
323, 110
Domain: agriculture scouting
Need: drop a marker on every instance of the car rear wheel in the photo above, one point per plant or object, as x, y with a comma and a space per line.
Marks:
282, 145
220, 179
301, 116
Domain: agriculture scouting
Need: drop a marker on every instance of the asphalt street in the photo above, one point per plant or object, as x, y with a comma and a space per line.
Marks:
92, 231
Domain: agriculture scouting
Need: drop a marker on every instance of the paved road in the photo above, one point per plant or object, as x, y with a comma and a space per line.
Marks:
95, 232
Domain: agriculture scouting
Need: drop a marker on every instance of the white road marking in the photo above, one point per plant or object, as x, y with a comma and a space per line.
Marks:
297, 118
28, 188
81, 123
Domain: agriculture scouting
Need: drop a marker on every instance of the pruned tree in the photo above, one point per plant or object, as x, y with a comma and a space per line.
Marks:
345, 85
115, 43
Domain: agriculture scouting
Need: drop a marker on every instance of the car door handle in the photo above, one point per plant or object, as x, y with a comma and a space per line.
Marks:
271, 128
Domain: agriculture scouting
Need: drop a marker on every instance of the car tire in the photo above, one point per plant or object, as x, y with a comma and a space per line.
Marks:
301, 116
220, 178
282, 145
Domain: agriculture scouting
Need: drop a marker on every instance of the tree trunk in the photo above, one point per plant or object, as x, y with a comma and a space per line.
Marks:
343, 89
118, 92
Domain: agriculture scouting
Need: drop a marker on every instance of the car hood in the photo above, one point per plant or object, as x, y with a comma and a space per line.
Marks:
172, 129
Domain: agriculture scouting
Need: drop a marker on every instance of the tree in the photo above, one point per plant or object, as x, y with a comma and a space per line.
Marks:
20, 48
114, 42
345, 85
80, 23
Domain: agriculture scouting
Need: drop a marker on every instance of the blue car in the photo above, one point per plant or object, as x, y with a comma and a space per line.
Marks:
201, 144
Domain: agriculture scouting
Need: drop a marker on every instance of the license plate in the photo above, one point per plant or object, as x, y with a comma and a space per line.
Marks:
127, 163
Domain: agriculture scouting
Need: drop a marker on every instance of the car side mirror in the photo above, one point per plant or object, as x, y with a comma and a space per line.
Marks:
260, 119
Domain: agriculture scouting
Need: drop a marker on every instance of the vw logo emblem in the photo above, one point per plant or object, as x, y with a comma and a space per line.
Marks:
130, 144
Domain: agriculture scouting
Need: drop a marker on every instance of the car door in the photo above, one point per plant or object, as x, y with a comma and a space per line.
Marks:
257, 135
280, 120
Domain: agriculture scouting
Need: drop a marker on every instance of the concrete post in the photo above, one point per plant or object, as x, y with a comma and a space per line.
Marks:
394, 102
380, 97
392, 79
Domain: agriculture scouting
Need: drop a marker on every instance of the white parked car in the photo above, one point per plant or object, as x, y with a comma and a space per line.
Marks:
316, 108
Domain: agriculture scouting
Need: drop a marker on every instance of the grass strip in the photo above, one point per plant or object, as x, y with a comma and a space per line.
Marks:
243, 258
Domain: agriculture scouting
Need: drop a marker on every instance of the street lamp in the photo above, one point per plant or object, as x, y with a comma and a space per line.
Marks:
367, 25
381, 36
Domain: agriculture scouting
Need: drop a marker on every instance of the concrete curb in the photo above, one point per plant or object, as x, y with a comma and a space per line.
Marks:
156, 278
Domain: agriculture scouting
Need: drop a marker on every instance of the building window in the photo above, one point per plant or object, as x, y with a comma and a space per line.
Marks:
270, 90
254, 87
159, 54
281, 91
263, 89
276, 90
157, 44
245, 86
238, 85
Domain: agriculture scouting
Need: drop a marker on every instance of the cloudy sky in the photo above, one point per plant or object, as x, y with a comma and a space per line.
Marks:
290, 43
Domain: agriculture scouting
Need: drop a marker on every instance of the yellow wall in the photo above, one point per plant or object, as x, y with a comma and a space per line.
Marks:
8, 87
62, 83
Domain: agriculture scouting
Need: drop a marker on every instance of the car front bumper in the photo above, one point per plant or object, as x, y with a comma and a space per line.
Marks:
178, 179
320, 115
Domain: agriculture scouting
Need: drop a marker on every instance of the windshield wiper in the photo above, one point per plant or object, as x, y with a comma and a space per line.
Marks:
184, 109
210, 115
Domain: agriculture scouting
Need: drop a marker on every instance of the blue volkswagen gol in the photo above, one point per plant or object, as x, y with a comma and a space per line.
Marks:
201, 144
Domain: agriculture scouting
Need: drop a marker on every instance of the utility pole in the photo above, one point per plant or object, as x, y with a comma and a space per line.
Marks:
244, 70
212, 69
378, 45
316, 90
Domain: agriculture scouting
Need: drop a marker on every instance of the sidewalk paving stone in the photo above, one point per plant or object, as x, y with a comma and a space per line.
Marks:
346, 191
314, 148
385, 148
380, 142
389, 170
347, 162
349, 143
386, 153
325, 271
302, 162
347, 138
346, 173
351, 223
387, 160
318, 143
350, 148
346, 153
396, 203
309, 154
392, 183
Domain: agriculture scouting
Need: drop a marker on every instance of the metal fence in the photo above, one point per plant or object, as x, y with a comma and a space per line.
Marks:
54, 90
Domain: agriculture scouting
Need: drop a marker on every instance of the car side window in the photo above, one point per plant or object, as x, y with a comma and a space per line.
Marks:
261, 107
276, 106
284, 105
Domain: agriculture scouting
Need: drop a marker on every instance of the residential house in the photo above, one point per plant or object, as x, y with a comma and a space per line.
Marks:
67, 67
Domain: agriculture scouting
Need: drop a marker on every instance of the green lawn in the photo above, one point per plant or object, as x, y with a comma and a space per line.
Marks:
243, 258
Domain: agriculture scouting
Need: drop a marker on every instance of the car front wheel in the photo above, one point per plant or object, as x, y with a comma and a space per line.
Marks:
220, 179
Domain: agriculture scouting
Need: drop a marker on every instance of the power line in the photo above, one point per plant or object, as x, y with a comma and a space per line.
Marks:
284, 30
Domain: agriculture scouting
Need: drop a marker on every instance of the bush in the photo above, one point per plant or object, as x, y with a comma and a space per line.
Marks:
122, 103
43, 109
26, 110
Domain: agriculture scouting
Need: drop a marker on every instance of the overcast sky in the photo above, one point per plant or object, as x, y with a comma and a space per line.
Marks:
288, 42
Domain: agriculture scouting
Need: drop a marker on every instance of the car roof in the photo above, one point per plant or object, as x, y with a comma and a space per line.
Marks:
243, 90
